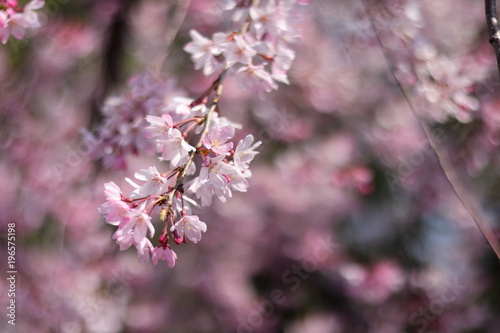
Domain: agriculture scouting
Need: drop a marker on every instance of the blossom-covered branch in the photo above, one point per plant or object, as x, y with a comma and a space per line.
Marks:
149, 120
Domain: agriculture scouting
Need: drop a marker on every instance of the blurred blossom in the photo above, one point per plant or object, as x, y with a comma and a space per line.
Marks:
374, 284
14, 19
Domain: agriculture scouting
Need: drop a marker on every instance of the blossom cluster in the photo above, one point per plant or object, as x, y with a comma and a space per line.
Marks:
443, 82
147, 119
223, 169
440, 75
259, 54
14, 20
122, 132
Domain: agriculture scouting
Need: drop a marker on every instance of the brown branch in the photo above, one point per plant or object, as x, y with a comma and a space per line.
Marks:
451, 175
112, 55
494, 30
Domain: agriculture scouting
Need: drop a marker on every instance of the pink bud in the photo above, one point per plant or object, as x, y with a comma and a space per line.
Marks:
177, 238
12, 3
163, 238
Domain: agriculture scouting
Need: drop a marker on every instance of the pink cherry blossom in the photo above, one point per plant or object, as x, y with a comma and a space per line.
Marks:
164, 253
174, 148
217, 178
123, 131
14, 20
256, 78
114, 209
268, 20
245, 153
30, 16
155, 183
159, 126
282, 62
144, 248
138, 224
191, 227
216, 139
204, 53
238, 51
123, 239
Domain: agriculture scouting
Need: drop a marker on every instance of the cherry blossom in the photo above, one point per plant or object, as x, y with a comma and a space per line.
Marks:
238, 51
204, 52
155, 183
245, 153
139, 224
15, 20
174, 148
114, 209
164, 253
255, 77
123, 239
159, 126
144, 248
155, 116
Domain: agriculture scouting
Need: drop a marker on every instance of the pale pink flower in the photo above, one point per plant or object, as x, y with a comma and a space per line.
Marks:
216, 138
203, 190
154, 184
191, 227
4, 17
217, 178
239, 8
138, 224
228, 4
238, 51
124, 240
114, 209
235, 179
244, 154
30, 16
164, 253
134, 233
255, 77
14, 23
159, 126
144, 248
211, 171
203, 52
112, 191
282, 62
174, 148
269, 20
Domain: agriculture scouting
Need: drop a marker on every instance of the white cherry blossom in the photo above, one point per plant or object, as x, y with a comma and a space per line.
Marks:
191, 227
174, 148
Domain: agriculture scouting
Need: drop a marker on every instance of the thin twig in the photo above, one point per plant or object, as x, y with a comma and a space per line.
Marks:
112, 55
451, 175
176, 22
494, 30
